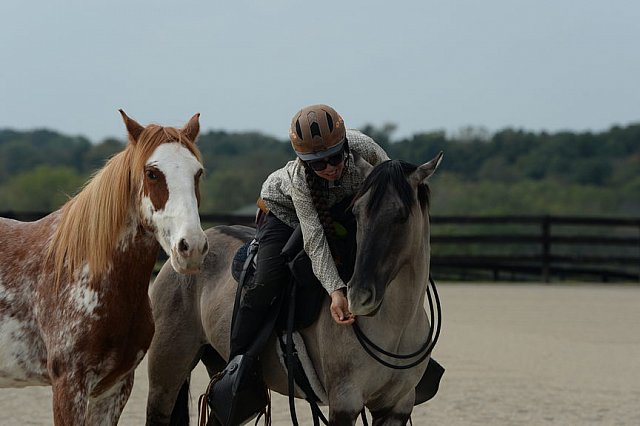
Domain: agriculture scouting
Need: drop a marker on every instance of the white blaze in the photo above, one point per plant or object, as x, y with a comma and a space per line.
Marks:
179, 219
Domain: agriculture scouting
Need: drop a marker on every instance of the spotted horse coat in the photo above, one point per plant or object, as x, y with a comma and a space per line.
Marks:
74, 309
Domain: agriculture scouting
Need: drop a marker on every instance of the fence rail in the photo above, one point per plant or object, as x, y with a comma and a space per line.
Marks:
539, 247
513, 247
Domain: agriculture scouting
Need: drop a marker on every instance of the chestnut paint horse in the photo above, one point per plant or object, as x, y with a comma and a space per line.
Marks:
386, 292
74, 308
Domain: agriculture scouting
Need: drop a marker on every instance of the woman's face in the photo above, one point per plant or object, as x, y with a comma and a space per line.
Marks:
331, 172
329, 168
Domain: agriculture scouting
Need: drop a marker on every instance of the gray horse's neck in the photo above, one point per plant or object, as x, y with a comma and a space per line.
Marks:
402, 319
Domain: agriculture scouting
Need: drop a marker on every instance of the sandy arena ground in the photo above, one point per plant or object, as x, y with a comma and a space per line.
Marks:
515, 355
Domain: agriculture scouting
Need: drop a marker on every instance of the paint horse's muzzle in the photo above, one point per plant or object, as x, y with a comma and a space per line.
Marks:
189, 252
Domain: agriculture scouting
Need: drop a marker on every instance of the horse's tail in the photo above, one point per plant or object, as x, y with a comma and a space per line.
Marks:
180, 413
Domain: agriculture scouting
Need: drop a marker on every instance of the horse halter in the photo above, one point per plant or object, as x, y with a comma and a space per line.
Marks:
424, 351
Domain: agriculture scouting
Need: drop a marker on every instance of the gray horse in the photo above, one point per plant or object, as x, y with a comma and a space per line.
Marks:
386, 292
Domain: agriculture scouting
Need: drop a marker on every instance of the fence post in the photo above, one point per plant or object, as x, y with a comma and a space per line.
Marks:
546, 248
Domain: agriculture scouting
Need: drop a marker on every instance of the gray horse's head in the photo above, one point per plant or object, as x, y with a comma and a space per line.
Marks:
392, 212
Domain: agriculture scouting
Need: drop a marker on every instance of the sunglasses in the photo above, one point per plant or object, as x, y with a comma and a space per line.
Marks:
321, 164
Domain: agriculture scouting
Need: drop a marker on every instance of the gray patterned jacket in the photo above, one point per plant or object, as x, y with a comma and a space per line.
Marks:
287, 196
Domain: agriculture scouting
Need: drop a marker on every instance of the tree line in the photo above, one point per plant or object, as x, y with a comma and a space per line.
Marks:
512, 171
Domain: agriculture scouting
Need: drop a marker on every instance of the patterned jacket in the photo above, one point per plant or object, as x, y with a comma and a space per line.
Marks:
287, 196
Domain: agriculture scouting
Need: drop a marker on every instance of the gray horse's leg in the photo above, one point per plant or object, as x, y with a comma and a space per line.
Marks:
345, 404
342, 418
176, 344
398, 415
168, 371
173, 353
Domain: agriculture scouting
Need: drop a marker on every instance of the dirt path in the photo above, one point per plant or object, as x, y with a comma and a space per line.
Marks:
515, 355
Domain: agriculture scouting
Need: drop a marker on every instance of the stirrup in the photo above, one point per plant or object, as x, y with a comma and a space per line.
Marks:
236, 395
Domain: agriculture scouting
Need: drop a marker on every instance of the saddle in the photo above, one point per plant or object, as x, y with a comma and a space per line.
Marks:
311, 294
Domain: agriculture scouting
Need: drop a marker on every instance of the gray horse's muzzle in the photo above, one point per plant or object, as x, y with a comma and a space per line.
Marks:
362, 301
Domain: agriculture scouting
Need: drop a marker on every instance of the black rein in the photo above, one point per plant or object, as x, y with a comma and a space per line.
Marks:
371, 348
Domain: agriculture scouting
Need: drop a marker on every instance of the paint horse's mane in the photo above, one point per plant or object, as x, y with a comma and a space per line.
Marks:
393, 173
92, 221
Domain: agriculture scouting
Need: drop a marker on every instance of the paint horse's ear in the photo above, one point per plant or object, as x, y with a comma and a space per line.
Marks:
425, 171
362, 165
192, 128
133, 127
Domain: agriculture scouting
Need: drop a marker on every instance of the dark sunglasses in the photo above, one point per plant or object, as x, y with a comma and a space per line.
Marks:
321, 164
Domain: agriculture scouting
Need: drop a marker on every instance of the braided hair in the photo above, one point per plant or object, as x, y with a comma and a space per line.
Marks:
316, 184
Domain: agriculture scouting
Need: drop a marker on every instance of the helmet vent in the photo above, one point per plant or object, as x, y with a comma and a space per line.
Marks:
298, 129
329, 121
315, 130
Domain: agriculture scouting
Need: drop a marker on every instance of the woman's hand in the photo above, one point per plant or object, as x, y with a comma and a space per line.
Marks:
340, 308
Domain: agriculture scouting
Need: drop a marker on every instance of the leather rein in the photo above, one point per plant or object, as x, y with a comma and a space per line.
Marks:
424, 351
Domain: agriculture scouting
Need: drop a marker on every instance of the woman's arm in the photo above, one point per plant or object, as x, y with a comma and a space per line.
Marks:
317, 248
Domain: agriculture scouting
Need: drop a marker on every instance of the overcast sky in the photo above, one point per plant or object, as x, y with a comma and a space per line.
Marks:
68, 65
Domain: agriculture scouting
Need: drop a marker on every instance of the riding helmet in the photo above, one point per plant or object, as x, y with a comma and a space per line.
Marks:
317, 131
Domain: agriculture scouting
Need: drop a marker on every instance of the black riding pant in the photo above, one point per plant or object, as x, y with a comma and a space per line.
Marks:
271, 278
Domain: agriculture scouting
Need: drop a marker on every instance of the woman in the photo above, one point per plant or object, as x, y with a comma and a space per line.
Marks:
303, 192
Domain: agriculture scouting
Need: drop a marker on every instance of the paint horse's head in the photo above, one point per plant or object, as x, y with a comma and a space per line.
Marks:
166, 171
151, 185
392, 212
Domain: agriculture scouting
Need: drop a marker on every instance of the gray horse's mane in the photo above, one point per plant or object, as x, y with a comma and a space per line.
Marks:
393, 173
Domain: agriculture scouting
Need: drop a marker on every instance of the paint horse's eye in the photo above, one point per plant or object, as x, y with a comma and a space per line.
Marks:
151, 175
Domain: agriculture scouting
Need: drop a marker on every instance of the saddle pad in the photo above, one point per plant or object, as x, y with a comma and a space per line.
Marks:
238, 261
307, 366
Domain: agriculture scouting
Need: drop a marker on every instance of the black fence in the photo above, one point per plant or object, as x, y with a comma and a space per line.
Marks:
542, 248
515, 248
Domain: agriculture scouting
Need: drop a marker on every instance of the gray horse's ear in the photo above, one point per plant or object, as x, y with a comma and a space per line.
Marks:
133, 128
363, 167
192, 128
425, 171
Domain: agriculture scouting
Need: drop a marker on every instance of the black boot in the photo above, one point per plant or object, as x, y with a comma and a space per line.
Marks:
238, 393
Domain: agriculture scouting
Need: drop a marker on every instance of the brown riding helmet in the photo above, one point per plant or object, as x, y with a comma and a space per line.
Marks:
317, 131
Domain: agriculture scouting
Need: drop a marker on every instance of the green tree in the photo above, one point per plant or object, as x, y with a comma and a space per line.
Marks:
44, 188
382, 135
97, 155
